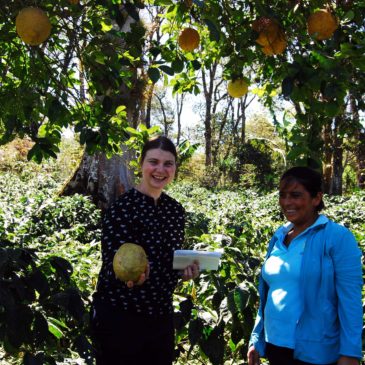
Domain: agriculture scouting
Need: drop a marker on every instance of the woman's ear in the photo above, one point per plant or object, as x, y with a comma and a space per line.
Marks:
317, 199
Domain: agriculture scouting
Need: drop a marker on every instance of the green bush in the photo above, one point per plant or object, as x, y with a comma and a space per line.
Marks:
50, 258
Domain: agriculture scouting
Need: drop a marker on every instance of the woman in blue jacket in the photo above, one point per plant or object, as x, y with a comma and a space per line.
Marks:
310, 285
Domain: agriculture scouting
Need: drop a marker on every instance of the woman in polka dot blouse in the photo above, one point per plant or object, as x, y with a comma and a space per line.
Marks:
133, 323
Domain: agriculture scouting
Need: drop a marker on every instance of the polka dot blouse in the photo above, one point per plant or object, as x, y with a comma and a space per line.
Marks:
159, 229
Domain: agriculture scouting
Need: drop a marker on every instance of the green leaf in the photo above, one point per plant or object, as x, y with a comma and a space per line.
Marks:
163, 2
237, 330
167, 69
62, 266
177, 65
214, 345
186, 307
196, 65
106, 27
35, 154
349, 16
55, 111
214, 33
154, 130
55, 330
332, 109
154, 74
196, 327
155, 51
241, 297
121, 109
38, 281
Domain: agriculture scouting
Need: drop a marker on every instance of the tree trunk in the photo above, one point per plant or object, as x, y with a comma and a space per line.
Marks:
360, 140
360, 158
101, 178
216, 147
179, 107
327, 169
147, 119
243, 125
336, 184
208, 94
165, 122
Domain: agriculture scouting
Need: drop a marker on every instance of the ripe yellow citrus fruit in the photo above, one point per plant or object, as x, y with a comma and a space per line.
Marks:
129, 262
277, 46
33, 25
189, 39
271, 36
321, 24
237, 88
268, 35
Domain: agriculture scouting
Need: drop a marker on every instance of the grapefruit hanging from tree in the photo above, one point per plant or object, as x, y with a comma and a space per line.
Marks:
33, 25
189, 39
322, 24
237, 88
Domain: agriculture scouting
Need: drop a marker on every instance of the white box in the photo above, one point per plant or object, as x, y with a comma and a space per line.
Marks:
208, 260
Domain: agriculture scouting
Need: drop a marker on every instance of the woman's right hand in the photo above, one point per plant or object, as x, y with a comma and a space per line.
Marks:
253, 356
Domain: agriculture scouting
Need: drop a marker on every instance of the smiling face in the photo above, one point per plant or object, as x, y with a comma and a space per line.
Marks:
158, 169
297, 204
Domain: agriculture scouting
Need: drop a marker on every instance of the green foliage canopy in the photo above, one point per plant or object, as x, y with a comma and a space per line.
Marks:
80, 75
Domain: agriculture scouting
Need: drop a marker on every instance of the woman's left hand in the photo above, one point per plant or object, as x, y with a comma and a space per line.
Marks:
142, 278
346, 360
191, 271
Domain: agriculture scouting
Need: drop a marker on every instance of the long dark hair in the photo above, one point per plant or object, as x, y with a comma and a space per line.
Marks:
161, 142
309, 178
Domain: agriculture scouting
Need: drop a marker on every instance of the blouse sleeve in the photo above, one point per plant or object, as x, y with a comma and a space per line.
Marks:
346, 257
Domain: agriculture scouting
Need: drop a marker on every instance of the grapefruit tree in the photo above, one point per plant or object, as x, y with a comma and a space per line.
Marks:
83, 75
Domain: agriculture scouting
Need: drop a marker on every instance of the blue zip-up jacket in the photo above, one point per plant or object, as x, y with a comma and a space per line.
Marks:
330, 324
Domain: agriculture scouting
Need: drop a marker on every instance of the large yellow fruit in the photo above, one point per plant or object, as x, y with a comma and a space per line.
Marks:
129, 262
268, 30
267, 37
237, 88
271, 36
189, 39
277, 46
33, 25
321, 24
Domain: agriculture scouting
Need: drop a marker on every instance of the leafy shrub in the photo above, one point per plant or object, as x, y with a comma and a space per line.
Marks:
49, 260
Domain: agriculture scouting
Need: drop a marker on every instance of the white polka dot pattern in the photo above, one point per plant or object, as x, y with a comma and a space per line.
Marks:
159, 229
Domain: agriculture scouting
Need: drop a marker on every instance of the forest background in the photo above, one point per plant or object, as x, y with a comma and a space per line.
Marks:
76, 108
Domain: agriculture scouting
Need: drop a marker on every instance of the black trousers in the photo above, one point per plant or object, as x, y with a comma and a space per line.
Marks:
283, 356
122, 338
